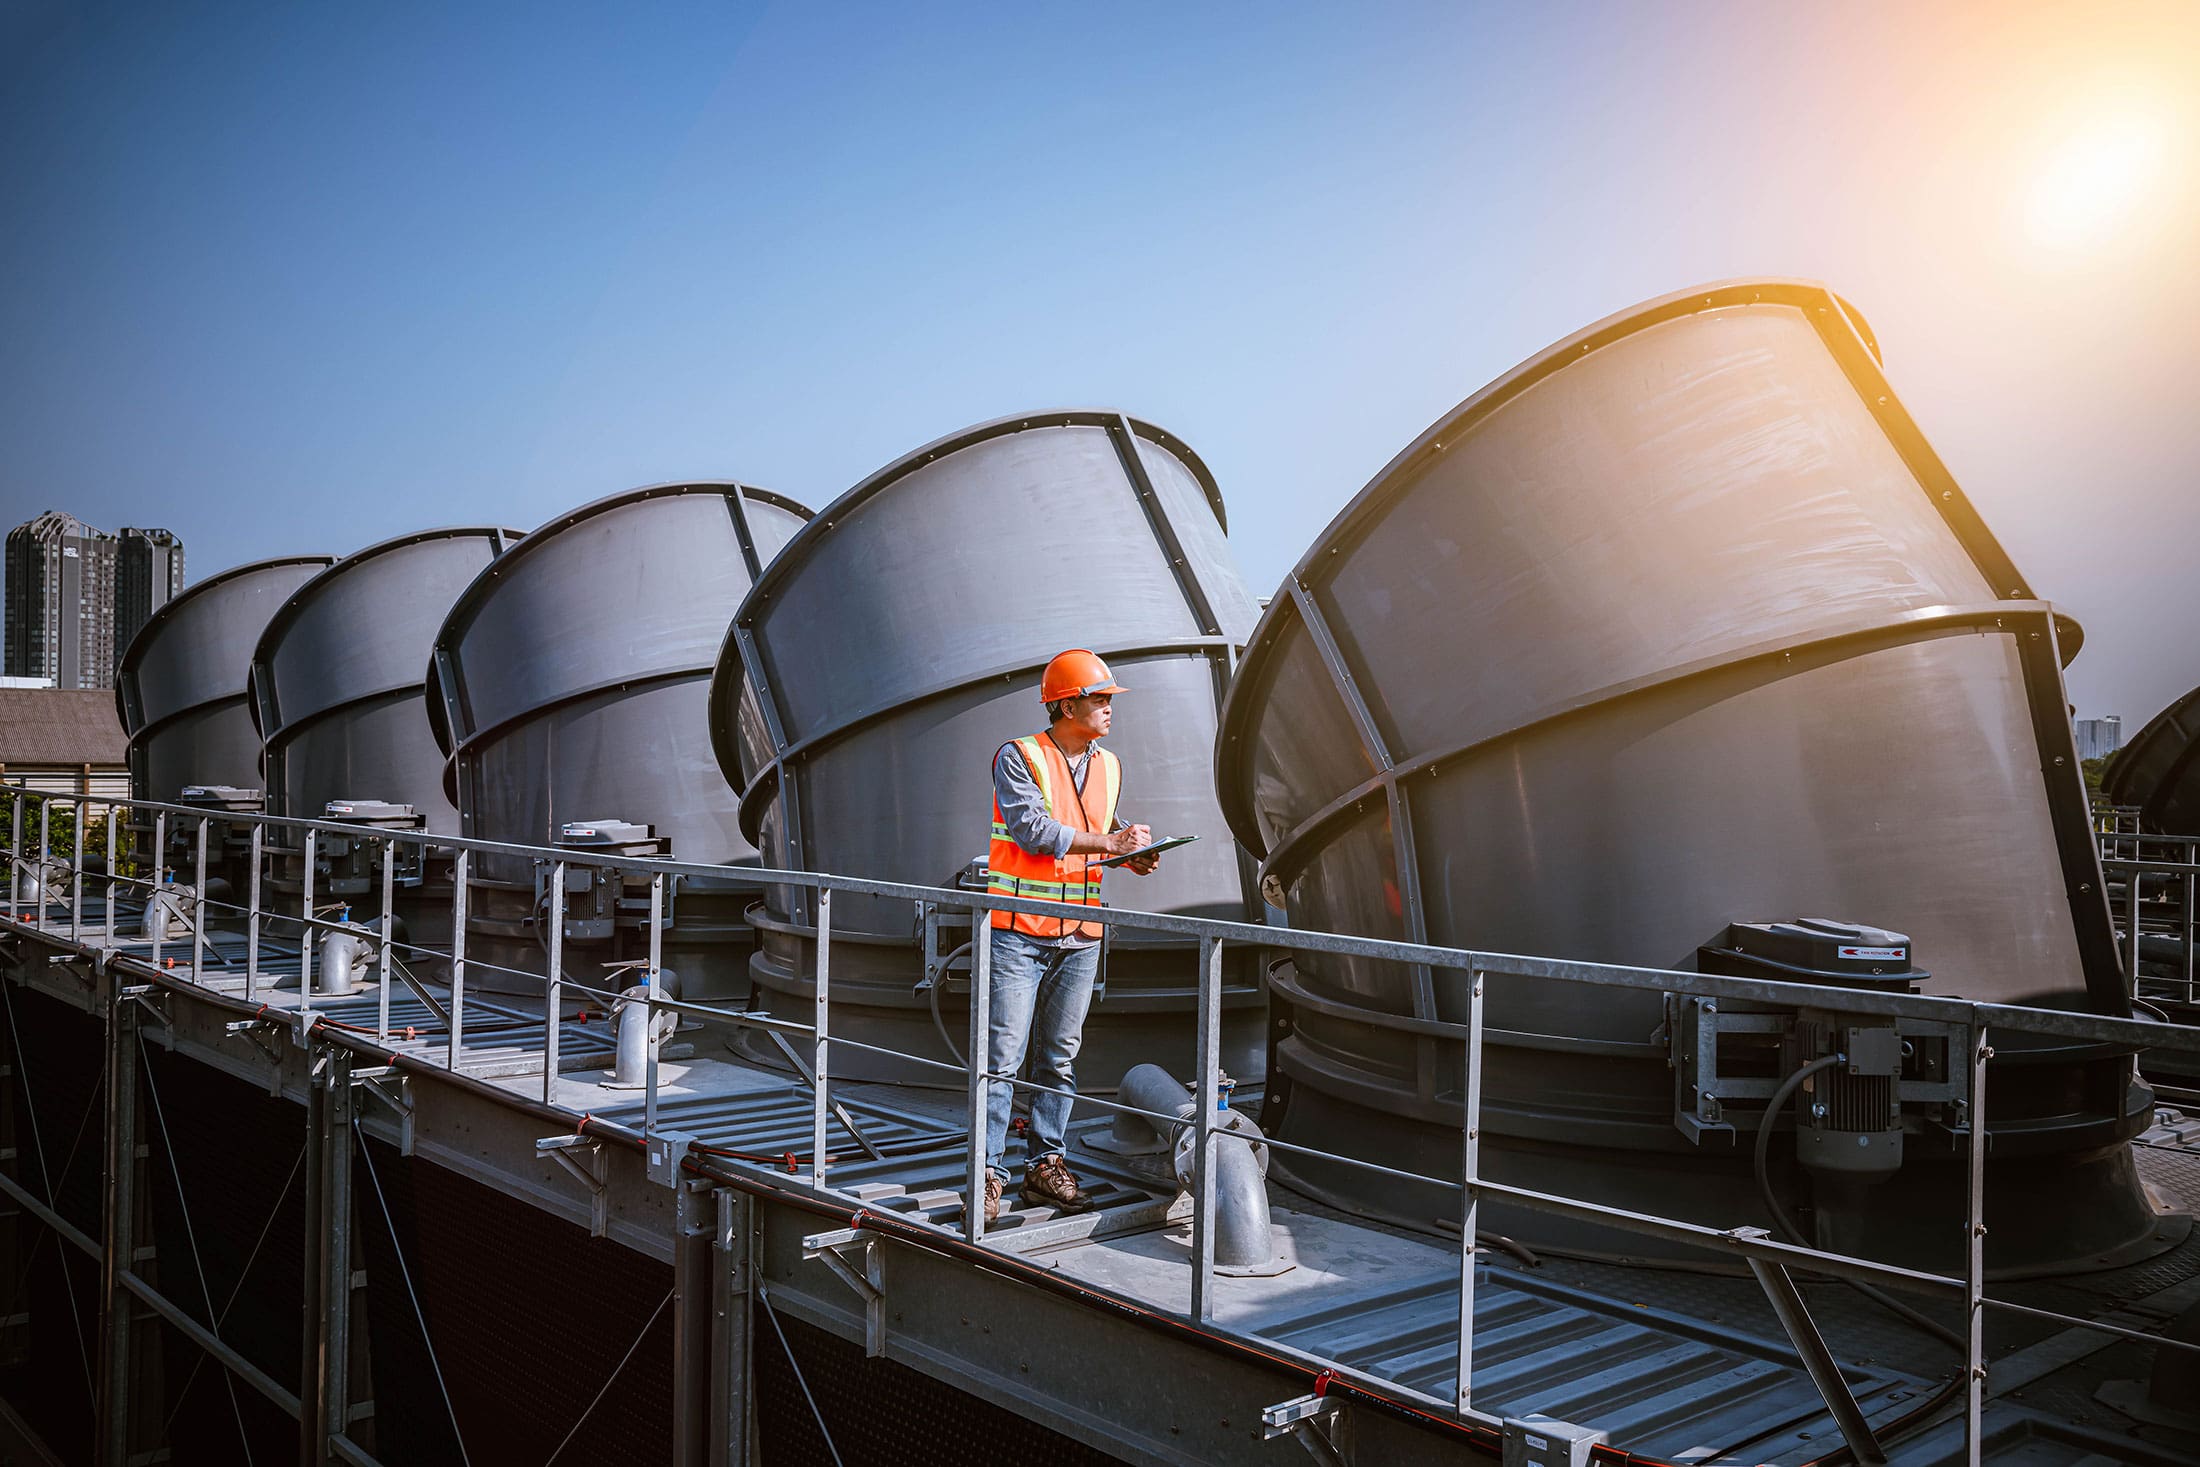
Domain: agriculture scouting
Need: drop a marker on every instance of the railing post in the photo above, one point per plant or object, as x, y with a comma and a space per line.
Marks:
198, 904
979, 1051
251, 906
385, 957
76, 876
458, 949
160, 880
114, 820
2131, 905
305, 937
554, 996
819, 1021
1470, 1176
1209, 1088
1974, 1251
656, 991
2188, 915
45, 807
15, 857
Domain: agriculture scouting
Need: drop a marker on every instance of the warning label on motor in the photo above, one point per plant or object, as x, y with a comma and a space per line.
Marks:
1889, 954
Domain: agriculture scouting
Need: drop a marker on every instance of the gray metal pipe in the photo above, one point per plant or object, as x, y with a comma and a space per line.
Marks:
346, 955
1239, 1173
171, 910
636, 1033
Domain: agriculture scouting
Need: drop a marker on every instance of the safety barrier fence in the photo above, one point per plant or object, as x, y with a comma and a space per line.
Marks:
2159, 876
1770, 1259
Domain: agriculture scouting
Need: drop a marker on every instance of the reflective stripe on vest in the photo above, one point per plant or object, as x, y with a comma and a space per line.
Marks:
1013, 871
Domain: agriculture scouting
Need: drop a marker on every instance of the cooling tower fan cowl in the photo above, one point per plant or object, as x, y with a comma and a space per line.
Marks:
568, 687
894, 647
1678, 625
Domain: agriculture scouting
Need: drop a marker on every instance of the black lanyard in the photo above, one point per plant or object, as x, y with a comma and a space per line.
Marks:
1092, 752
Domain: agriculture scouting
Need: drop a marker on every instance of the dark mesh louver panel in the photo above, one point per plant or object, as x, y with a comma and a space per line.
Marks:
56, 1058
526, 1332
238, 1215
884, 1414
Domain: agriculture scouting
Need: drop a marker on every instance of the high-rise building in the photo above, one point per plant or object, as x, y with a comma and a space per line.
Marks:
64, 580
148, 573
2099, 737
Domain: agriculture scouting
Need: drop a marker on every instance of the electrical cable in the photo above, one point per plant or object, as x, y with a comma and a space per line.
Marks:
1794, 1234
932, 991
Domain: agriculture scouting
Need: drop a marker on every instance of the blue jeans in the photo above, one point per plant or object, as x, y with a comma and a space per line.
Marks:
1038, 998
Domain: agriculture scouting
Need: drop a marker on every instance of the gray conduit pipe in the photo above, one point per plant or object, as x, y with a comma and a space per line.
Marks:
1242, 1238
636, 1033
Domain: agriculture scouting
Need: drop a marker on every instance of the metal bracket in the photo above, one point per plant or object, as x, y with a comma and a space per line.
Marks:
393, 1088
856, 1258
592, 1170
153, 1001
1316, 1423
260, 1034
663, 1152
1818, 1361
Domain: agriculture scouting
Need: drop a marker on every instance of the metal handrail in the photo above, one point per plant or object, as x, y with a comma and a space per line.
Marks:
1211, 935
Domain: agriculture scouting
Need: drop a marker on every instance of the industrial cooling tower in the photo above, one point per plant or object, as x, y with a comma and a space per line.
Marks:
569, 689
1680, 624
2157, 773
337, 685
897, 644
181, 691
181, 683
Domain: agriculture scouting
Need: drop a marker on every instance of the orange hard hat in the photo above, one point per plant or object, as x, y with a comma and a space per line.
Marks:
1076, 673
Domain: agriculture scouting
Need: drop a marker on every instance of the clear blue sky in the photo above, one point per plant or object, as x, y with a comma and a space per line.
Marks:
294, 278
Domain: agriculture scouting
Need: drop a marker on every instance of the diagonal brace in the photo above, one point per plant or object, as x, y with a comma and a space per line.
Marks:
583, 1157
855, 1257
1316, 1423
262, 1035
393, 1088
809, 1078
1825, 1372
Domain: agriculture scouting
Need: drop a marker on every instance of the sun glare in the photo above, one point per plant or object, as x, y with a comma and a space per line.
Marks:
2093, 180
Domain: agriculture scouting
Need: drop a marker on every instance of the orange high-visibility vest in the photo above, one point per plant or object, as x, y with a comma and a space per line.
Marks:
1013, 871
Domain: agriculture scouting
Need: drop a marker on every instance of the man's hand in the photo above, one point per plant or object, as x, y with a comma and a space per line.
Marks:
1129, 839
1144, 865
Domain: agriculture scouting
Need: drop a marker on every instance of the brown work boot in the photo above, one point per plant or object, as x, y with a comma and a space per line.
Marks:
993, 1186
1051, 1183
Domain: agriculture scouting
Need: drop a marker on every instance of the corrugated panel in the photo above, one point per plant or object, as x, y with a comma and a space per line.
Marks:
1670, 1389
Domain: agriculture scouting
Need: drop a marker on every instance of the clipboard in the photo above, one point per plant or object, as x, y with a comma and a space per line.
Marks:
1166, 843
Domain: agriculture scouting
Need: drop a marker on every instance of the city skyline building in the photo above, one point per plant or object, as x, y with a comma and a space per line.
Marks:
75, 594
2099, 737
148, 574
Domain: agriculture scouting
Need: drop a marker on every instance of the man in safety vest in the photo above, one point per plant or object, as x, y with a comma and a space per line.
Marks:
1054, 797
